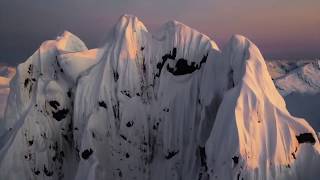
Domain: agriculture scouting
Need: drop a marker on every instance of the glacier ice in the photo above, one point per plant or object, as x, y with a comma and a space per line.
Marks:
167, 105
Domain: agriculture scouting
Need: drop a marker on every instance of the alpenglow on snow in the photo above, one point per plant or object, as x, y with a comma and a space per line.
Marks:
168, 105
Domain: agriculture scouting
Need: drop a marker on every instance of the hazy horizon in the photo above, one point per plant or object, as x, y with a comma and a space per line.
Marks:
286, 29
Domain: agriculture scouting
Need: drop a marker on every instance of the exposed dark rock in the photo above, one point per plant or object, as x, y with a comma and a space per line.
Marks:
58, 64
119, 173
36, 172
203, 157
54, 104
130, 124
182, 67
30, 142
235, 159
93, 134
30, 68
230, 79
123, 137
46, 171
115, 109
26, 82
102, 104
171, 56
60, 114
126, 93
115, 76
86, 153
155, 126
69, 93
166, 109
306, 138
171, 154
61, 153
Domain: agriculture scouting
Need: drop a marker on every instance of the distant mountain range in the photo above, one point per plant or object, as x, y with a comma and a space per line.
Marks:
299, 83
6, 74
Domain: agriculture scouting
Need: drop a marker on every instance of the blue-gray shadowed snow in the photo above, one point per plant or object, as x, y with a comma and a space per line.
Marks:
305, 106
168, 105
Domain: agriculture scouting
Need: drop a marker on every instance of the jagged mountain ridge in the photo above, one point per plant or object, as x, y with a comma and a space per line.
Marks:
301, 76
299, 86
164, 106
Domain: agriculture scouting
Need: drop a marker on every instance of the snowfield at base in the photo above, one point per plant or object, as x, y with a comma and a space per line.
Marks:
169, 105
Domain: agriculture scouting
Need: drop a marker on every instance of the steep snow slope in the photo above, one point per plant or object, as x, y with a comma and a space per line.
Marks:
125, 106
263, 141
36, 134
165, 106
150, 113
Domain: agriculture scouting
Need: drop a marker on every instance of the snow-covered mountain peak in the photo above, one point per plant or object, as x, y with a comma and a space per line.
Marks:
177, 30
68, 42
76, 63
168, 105
255, 118
128, 19
250, 68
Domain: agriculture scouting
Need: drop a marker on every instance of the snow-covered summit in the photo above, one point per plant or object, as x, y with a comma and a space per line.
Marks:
36, 139
255, 113
169, 105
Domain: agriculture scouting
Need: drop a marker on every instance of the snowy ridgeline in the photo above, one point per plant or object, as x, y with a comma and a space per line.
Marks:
169, 105
299, 83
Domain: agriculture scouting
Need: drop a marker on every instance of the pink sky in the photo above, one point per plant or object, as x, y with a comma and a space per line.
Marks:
281, 28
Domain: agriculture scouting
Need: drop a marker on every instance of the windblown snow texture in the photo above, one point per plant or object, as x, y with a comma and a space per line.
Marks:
168, 105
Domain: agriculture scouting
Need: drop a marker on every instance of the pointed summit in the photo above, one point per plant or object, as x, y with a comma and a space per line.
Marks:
168, 105
68, 42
